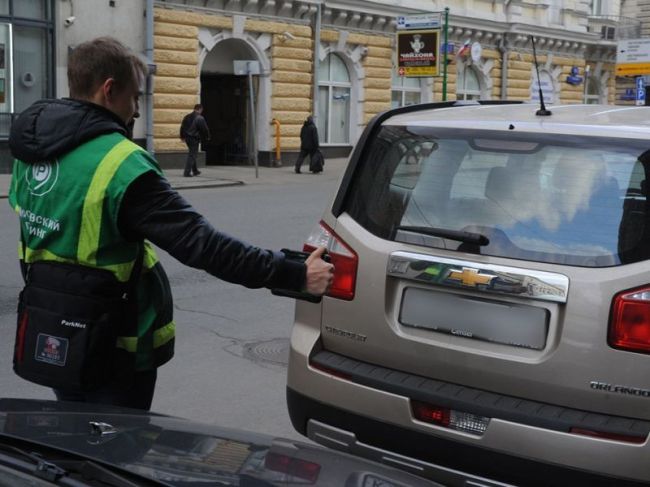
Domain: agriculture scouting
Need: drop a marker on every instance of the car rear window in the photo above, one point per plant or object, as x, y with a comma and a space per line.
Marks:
573, 200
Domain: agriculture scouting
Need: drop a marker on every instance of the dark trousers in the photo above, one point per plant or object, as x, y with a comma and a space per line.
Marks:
301, 157
193, 152
137, 394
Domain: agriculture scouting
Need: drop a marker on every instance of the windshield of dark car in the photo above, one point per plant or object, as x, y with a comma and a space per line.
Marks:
573, 200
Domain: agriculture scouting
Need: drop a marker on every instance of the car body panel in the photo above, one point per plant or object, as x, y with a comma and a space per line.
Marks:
571, 366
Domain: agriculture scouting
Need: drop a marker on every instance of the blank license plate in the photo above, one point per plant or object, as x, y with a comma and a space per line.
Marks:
478, 319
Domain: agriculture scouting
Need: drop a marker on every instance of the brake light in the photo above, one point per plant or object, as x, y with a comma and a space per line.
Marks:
345, 260
608, 436
629, 327
449, 418
295, 467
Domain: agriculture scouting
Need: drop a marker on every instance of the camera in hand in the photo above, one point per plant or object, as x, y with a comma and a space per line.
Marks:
304, 296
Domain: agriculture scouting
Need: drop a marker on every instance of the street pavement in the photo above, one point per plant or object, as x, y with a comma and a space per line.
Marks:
225, 176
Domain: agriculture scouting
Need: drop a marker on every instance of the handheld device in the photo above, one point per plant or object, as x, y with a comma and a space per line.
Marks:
304, 296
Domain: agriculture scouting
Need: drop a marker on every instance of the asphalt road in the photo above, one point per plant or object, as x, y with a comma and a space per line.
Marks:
232, 342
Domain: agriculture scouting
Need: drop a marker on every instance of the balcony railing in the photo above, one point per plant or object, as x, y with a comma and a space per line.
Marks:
614, 27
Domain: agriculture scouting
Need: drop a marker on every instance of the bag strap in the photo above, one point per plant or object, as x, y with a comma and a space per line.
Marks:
131, 283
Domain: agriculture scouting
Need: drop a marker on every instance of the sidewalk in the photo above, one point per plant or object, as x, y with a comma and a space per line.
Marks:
225, 176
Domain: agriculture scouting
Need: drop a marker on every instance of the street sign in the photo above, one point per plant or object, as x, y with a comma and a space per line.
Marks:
640, 91
418, 22
633, 57
418, 53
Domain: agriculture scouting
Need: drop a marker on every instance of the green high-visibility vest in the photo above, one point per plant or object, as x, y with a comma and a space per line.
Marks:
68, 210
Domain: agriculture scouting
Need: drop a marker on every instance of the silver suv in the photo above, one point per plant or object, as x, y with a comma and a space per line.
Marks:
490, 315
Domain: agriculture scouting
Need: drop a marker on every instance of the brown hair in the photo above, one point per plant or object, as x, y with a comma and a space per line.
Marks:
95, 61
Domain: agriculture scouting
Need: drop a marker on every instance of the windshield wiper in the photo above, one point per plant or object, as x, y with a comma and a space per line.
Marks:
459, 235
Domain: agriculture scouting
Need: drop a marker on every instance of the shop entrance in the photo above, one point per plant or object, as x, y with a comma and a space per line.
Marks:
225, 101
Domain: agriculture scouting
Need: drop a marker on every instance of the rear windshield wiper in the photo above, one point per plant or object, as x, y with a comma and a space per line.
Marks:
459, 235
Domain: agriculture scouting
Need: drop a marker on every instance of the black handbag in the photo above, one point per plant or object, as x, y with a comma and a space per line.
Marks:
69, 318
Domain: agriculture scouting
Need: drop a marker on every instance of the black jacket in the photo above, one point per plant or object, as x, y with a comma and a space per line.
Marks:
151, 209
194, 127
308, 136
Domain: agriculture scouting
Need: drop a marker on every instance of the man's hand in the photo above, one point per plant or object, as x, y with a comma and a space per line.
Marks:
320, 274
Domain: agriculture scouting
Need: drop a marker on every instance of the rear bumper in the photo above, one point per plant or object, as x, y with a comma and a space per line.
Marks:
446, 461
508, 451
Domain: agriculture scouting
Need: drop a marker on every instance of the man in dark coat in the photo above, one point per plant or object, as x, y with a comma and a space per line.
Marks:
308, 142
193, 131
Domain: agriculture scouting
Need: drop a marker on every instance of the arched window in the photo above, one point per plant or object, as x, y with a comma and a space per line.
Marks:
592, 91
333, 101
405, 91
467, 84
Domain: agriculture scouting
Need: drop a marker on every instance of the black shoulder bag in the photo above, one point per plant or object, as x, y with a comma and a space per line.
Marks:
69, 318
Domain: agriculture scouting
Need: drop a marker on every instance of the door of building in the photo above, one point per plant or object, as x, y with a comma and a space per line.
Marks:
224, 99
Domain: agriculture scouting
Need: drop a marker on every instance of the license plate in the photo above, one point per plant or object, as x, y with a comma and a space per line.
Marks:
476, 319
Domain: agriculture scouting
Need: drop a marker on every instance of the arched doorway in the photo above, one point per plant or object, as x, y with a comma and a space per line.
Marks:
225, 99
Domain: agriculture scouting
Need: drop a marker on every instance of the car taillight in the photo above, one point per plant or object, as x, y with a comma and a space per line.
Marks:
345, 260
449, 418
294, 467
629, 327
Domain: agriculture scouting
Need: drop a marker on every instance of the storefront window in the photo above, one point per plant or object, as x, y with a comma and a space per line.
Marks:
405, 91
26, 64
334, 101
30, 66
31, 9
467, 84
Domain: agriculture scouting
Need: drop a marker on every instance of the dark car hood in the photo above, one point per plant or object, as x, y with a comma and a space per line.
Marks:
179, 452
51, 128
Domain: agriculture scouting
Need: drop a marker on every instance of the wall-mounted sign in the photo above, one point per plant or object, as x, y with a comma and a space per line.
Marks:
546, 82
420, 22
628, 95
574, 78
418, 53
640, 91
633, 57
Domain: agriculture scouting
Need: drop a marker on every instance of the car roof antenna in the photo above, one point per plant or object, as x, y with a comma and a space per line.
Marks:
542, 112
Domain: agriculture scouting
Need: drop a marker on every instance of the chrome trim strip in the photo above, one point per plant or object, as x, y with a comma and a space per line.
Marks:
347, 441
488, 278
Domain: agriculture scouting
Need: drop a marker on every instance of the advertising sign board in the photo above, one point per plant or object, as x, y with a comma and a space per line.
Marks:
418, 53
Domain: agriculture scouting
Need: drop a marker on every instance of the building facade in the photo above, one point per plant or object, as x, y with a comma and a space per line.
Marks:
332, 59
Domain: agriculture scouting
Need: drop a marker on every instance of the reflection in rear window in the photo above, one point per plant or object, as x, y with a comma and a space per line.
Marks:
560, 199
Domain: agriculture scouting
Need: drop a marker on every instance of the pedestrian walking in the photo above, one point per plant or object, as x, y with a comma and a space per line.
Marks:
308, 145
95, 318
194, 130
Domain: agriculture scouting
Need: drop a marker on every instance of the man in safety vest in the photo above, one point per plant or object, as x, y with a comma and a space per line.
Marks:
86, 194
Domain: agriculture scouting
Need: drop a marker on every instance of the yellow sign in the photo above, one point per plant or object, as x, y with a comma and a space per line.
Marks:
633, 69
418, 52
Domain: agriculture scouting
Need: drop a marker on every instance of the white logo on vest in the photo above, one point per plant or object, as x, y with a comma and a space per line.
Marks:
42, 177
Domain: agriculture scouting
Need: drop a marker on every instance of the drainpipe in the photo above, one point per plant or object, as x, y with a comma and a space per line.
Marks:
149, 86
278, 147
317, 24
505, 55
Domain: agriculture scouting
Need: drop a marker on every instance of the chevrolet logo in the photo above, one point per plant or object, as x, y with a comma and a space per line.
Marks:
470, 277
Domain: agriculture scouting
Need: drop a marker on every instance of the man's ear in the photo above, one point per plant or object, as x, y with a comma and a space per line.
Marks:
108, 89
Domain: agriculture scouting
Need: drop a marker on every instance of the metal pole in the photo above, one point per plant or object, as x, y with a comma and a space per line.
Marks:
253, 131
444, 60
149, 83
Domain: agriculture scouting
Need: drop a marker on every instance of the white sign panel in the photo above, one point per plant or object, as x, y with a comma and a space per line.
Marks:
633, 57
243, 67
547, 88
426, 21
